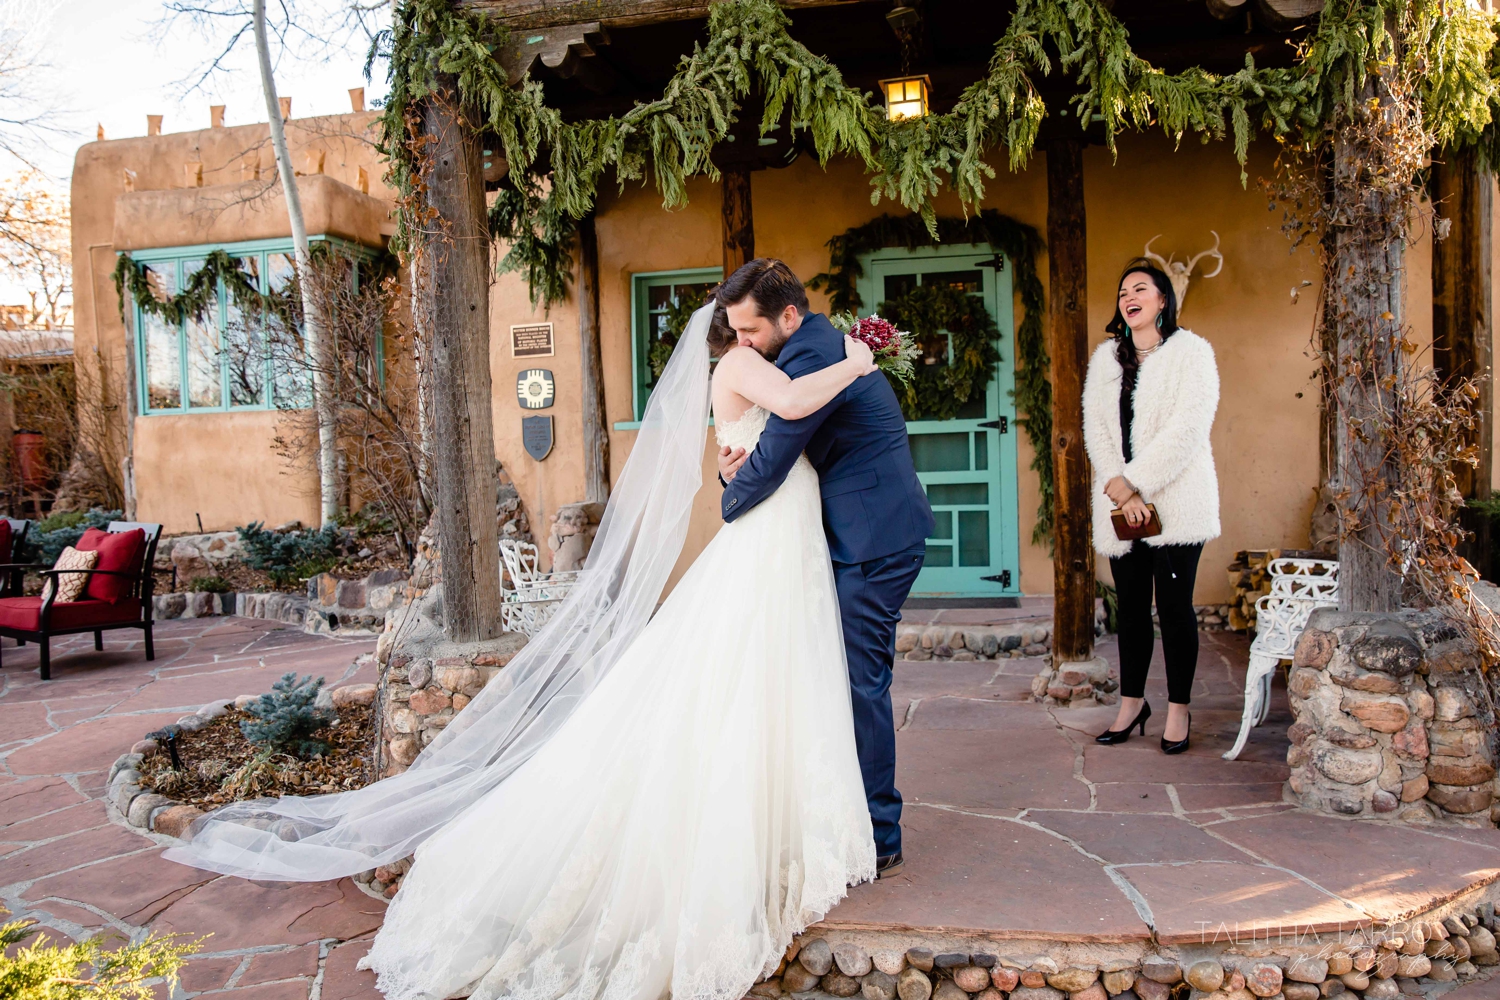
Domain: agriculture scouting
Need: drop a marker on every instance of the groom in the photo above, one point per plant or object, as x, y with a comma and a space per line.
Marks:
875, 512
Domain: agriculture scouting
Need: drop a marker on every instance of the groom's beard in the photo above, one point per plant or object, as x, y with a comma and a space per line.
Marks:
773, 347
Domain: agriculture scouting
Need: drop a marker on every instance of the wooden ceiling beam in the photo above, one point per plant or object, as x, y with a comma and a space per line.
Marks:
568, 51
609, 13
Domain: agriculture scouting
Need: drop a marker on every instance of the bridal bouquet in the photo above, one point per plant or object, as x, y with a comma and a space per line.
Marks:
895, 351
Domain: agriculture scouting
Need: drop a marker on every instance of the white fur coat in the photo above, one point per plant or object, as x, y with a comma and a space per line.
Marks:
1176, 394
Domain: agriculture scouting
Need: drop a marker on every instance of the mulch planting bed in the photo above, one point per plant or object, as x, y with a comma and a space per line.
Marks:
220, 766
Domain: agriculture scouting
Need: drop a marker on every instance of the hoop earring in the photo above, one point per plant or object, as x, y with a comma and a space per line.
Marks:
1158, 321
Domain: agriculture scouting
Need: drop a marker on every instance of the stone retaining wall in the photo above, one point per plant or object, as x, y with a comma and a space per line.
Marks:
426, 679
354, 606
1392, 720
973, 642
1410, 958
289, 608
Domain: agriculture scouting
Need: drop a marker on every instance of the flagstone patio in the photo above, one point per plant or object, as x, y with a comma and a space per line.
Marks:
1020, 832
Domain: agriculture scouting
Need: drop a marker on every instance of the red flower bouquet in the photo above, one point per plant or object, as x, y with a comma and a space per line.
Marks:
895, 351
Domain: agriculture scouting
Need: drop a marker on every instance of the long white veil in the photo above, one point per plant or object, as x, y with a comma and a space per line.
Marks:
639, 539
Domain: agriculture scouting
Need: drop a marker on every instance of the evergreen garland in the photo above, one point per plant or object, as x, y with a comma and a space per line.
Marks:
1021, 245
197, 298
439, 51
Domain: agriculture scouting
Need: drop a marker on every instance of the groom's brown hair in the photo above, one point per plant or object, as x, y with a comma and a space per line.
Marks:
769, 282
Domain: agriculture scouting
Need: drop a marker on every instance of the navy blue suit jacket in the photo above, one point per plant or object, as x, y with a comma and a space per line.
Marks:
873, 505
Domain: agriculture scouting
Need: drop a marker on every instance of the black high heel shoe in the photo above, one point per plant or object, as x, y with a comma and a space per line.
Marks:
1178, 746
1111, 736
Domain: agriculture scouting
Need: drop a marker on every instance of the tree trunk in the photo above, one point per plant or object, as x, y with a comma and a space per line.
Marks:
315, 341
1365, 304
455, 302
1462, 318
595, 432
739, 220
1067, 321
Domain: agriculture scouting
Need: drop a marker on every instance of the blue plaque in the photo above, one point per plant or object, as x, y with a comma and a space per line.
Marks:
536, 436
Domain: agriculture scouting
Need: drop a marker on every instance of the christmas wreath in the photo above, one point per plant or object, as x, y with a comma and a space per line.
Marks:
945, 381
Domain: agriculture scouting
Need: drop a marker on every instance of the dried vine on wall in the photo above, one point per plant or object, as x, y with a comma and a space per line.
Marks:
1401, 427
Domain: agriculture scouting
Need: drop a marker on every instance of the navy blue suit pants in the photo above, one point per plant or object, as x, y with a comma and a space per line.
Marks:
870, 598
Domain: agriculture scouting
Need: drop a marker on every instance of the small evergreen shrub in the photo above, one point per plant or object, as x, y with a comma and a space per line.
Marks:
48, 537
286, 718
288, 556
94, 969
209, 585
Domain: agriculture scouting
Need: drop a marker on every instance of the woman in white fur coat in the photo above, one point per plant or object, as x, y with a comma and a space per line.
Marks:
1148, 406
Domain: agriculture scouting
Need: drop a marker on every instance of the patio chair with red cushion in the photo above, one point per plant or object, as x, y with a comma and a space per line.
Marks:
118, 594
13, 546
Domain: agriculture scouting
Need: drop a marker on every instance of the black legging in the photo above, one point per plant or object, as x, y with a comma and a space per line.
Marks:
1172, 569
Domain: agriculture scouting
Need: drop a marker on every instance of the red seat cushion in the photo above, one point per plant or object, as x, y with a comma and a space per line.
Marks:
119, 551
25, 613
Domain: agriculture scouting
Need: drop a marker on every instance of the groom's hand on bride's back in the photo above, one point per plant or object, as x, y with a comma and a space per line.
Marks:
730, 460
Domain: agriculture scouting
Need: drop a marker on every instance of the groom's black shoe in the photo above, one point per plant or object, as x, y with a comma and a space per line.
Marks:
888, 865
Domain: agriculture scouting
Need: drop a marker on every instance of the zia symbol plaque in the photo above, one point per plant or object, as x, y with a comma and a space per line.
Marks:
535, 389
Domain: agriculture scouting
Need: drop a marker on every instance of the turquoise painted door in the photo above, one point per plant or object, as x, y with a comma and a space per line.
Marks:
967, 464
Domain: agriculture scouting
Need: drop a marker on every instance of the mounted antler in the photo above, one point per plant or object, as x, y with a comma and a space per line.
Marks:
1178, 272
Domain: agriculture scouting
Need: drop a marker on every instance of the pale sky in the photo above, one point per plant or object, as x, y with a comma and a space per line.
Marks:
107, 70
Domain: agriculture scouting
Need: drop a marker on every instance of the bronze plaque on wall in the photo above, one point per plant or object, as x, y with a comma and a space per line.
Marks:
531, 340
536, 436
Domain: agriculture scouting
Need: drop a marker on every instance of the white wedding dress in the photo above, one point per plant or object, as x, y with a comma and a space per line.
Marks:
700, 806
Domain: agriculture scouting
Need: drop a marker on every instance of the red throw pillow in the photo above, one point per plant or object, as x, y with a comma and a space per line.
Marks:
119, 551
5, 540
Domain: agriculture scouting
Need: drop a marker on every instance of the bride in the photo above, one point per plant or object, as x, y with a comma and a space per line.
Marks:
638, 805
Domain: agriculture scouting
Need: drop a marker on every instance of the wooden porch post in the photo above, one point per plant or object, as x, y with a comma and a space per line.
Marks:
1462, 315
455, 298
739, 220
595, 433
1067, 322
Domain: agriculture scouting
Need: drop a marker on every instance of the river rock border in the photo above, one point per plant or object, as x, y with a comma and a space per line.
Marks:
162, 814
1393, 720
1410, 958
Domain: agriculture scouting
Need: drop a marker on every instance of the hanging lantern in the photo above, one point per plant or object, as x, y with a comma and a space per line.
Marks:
905, 97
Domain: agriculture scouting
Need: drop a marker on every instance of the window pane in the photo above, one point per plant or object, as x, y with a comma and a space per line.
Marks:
938, 555
965, 281
160, 342
953, 494
975, 408
201, 335
897, 285
244, 346
940, 452
973, 538
944, 522
981, 450
657, 297
292, 385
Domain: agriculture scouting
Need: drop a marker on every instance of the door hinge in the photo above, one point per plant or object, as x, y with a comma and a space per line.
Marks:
1003, 578
997, 262
1002, 425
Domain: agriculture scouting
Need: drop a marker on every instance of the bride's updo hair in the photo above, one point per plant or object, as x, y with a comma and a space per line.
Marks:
721, 336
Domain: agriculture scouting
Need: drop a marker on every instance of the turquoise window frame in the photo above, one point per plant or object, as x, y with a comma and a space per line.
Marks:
158, 257
641, 379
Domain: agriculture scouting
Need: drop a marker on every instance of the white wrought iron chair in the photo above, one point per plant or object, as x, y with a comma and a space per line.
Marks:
536, 596
1298, 588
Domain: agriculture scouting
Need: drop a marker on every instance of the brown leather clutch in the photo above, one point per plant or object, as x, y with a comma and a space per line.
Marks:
1126, 532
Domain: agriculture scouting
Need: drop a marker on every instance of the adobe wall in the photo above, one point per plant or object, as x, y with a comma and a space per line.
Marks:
1265, 437
218, 464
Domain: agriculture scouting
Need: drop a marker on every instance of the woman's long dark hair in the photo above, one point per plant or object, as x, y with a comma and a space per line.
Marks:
1125, 352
